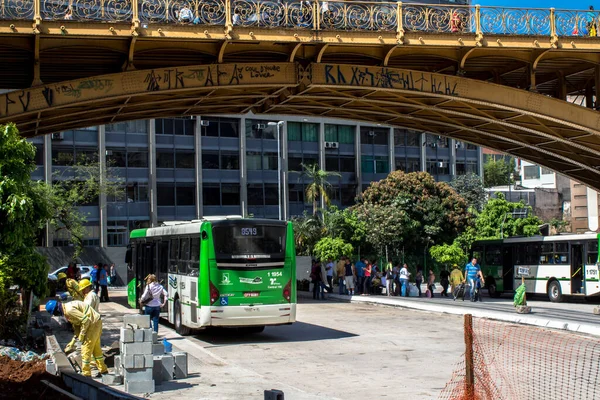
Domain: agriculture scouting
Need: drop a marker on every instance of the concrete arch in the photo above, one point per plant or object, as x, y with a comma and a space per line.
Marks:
550, 132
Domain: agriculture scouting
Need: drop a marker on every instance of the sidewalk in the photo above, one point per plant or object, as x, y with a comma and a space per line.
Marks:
569, 317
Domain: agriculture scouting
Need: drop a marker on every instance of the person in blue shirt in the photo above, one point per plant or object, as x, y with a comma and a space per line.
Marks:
103, 281
471, 271
94, 279
360, 274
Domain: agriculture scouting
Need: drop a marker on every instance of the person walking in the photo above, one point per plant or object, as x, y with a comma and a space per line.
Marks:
367, 280
431, 282
419, 279
156, 297
90, 297
87, 325
471, 271
94, 279
444, 281
360, 275
324, 288
340, 272
329, 268
404, 277
315, 277
456, 277
349, 276
103, 282
113, 275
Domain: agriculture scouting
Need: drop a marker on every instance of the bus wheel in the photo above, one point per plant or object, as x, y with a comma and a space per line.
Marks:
179, 327
554, 292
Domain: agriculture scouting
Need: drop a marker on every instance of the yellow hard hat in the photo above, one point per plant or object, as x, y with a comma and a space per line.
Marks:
84, 283
61, 275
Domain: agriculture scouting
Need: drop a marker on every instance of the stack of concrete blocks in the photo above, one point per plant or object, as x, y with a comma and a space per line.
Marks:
136, 360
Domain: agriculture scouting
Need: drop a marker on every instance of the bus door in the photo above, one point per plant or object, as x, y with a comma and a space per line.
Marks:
508, 267
577, 269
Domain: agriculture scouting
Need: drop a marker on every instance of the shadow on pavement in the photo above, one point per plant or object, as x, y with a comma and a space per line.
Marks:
298, 332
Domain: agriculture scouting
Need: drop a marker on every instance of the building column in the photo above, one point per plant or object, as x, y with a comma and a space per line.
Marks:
452, 144
152, 173
198, 166
392, 150
322, 154
243, 170
480, 160
48, 179
423, 152
358, 152
284, 173
103, 207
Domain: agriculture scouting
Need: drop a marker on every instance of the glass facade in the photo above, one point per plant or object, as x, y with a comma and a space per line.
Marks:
233, 168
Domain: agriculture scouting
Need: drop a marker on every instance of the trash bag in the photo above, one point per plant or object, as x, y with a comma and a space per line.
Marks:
15, 354
520, 296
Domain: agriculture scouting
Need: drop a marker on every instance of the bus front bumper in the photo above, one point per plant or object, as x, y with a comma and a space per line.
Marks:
255, 315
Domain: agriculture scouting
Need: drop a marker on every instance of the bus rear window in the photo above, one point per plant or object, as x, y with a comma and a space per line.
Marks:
249, 242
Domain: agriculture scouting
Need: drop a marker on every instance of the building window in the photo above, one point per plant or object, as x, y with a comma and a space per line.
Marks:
137, 192
348, 194
260, 129
271, 195
223, 127
165, 159
139, 126
62, 157
230, 161
404, 137
296, 193
137, 159
116, 233
532, 172
370, 135
175, 126
375, 164
116, 158
305, 132
185, 194
254, 161
294, 163
211, 194
461, 168
39, 154
230, 194
546, 171
410, 165
225, 194
438, 167
255, 195
339, 133
210, 160
165, 194
185, 159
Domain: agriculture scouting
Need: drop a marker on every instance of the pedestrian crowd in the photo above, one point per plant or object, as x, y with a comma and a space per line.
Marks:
365, 277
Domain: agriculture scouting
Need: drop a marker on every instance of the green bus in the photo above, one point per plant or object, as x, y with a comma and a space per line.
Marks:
218, 271
558, 266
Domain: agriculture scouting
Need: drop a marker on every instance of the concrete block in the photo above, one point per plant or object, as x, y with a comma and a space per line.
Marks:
148, 335
139, 321
137, 374
181, 365
154, 337
158, 349
163, 367
148, 360
139, 387
128, 361
118, 366
136, 348
112, 380
138, 361
126, 335
138, 335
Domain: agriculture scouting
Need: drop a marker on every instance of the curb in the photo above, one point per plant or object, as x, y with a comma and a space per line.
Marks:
493, 315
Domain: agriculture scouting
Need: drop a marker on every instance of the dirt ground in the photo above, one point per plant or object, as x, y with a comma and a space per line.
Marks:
21, 380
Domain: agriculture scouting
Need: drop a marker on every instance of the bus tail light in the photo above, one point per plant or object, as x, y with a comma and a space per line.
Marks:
214, 293
287, 291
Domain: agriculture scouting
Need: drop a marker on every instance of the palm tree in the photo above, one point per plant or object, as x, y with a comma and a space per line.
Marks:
318, 183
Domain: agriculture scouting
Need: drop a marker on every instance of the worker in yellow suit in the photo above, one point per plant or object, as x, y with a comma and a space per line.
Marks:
89, 296
88, 323
71, 285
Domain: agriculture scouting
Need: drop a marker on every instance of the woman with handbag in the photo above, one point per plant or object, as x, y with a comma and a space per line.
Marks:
154, 298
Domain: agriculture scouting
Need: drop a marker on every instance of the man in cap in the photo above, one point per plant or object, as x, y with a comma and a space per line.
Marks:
88, 327
90, 297
71, 285
456, 277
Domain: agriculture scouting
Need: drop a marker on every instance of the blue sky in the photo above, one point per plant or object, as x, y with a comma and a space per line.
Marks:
570, 5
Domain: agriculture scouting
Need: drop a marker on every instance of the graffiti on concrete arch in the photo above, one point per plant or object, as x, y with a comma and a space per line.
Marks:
390, 78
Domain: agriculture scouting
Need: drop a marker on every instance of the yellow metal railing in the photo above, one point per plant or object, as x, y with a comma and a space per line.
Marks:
315, 15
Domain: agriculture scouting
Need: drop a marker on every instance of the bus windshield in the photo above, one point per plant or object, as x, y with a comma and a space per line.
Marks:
253, 242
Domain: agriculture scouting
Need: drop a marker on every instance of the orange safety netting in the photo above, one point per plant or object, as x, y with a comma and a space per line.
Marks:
522, 362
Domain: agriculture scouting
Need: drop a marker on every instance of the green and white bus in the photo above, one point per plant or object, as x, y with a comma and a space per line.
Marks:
218, 271
559, 265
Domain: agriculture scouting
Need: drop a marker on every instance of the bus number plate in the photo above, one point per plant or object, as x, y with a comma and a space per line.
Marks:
251, 294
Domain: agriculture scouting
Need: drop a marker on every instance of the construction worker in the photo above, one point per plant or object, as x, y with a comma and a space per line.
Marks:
88, 327
71, 285
89, 296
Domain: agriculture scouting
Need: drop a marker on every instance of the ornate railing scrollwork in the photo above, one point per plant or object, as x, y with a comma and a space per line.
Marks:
17, 9
422, 18
576, 23
87, 10
358, 16
515, 21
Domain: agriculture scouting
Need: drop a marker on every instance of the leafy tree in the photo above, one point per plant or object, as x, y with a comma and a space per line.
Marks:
24, 210
344, 224
470, 187
498, 220
308, 230
411, 211
319, 184
332, 248
448, 254
80, 184
497, 172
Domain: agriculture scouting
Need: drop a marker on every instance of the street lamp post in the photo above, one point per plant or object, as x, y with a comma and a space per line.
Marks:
279, 124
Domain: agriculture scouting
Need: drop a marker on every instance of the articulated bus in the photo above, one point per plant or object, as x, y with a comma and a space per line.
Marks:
218, 271
560, 265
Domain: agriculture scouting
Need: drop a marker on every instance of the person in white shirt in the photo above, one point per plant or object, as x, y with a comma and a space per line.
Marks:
329, 268
404, 277
159, 297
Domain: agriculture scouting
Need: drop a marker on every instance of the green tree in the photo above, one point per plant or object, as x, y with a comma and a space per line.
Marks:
24, 210
80, 184
411, 211
448, 254
332, 248
319, 184
470, 187
344, 224
501, 218
308, 230
497, 172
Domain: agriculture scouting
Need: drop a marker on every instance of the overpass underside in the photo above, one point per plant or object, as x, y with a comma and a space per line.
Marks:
506, 92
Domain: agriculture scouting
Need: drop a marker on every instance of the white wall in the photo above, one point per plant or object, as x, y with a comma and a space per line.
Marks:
547, 180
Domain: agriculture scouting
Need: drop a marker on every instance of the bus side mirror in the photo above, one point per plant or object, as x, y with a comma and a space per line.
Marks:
204, 235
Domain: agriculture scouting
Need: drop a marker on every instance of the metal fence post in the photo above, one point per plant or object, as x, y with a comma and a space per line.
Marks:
469, 373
